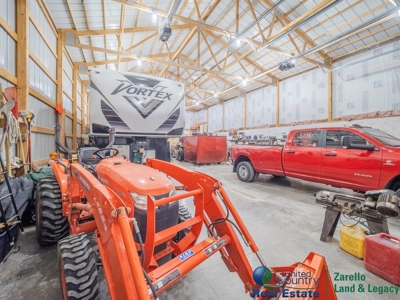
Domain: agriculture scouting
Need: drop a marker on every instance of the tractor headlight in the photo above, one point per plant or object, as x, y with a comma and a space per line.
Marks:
140, 201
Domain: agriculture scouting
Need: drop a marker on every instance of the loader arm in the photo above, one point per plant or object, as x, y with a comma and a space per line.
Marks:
124, 271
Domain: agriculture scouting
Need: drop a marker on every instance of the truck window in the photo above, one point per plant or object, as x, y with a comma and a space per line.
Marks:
334, 138
306, 138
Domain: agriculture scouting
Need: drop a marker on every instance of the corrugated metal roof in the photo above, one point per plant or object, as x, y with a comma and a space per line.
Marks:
138, 26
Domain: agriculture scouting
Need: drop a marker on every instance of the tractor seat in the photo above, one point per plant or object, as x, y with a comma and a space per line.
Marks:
85, 156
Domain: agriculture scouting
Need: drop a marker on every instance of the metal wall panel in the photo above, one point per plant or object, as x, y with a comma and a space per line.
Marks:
233, 113
43, 23
38, 46
43, 145
78, 129
78, 114
69, 142
370, 88
5, 83
303, 98
78, 100
260, 107
41, 82
190, 119
67, 104
7, 52
67, 84
68, 125
215, 118
67, 66
44, 114
7, 12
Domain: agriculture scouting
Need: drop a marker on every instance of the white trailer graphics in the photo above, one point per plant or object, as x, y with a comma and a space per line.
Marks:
135, 104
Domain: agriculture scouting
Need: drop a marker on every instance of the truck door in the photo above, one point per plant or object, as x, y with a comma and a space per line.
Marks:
352, 168
302, 155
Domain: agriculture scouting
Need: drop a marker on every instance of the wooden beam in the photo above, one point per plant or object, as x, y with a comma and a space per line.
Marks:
255, 19
74, 116
42, 66
8, 29
271, 26
59, 87
42, 130
210, 49
237, 17
120, 36
141, 42
7, 76
22, 23
330, 92
43, 36
45, 11
277, 103
196, 6
93, 32
42, 98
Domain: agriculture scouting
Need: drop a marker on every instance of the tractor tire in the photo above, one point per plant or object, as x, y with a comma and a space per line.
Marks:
51, 225
245, 171
184, 215
78, 268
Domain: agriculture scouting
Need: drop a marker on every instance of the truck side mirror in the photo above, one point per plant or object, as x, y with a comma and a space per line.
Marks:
345, 142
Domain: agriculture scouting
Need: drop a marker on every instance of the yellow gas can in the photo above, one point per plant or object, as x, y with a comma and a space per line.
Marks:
352, 240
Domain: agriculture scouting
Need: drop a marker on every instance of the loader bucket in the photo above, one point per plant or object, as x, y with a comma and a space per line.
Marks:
306, 281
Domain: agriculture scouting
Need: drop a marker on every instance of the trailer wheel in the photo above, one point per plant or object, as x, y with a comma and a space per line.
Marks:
184, 215
51, 225
77, 267
179, 157
245, 171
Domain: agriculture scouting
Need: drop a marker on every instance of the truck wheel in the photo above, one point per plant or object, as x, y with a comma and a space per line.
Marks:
51, 225
245, 171
256, 175
395, 186
78, 269
184, 215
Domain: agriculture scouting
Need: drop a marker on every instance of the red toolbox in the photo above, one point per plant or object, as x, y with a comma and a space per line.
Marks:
204, 149
382, 256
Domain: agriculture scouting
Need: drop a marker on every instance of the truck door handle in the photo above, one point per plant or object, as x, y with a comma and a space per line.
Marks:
330, 154
290, 151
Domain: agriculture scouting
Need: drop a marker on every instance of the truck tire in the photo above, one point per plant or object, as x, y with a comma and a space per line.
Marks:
245, 171
51, 225
184, 215
256, 175
78, 268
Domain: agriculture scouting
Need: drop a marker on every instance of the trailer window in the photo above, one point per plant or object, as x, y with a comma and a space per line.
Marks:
306, 138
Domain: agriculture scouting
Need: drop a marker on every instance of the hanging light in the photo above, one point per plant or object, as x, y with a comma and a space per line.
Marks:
244, 81
154, 17
215, 95
139, 62
238, 42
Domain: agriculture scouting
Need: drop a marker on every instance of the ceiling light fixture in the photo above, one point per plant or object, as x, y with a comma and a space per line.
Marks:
238, 42
215, 95
139, 62
244, 81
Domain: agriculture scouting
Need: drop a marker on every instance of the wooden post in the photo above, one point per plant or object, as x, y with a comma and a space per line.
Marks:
74, 117
22, 67
59, 74
277, 103
245, 110
330, 92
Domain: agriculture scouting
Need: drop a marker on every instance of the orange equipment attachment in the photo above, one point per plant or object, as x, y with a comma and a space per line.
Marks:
109, 210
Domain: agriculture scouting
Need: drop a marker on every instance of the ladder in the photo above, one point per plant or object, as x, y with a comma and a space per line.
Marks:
5, 223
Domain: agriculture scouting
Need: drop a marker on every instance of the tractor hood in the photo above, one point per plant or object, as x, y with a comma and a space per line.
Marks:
124, 177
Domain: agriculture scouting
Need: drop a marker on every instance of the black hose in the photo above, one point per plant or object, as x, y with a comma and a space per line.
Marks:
136, 229
153, 289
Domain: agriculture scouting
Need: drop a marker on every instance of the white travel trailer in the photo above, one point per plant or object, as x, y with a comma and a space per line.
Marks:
144, 110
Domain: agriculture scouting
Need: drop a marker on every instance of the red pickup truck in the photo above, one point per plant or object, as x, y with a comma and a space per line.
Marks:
358, 158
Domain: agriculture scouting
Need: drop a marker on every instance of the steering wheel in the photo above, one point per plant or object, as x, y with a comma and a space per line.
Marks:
100, 156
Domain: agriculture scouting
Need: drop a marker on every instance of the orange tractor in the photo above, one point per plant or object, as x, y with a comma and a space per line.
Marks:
107, 212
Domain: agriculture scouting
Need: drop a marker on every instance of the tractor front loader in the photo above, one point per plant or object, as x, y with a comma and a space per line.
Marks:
130, 212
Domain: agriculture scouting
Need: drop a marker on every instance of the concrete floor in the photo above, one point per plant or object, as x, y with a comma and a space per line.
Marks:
281, 215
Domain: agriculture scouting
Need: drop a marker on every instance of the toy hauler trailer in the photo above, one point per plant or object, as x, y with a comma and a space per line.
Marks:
144, 110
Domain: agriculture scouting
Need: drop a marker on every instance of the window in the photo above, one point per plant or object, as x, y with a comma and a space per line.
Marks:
306, 138
334, 138
383, 137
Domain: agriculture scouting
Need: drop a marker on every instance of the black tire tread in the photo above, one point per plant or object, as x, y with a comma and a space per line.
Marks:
78, 262
184, 215
51, 225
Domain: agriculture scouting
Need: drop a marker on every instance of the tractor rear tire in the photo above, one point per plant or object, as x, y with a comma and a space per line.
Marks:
78, 268
51, 225
245, 171
184, 215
